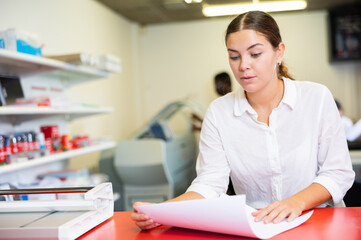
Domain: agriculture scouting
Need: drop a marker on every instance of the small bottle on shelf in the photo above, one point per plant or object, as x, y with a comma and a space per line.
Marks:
2, 151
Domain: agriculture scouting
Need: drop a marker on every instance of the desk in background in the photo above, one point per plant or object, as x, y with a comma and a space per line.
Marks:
325, 223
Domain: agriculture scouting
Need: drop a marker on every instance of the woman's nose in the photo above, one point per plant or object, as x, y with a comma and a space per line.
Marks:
243, 64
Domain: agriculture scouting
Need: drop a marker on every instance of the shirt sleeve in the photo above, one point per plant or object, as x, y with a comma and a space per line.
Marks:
334, 163
212, 166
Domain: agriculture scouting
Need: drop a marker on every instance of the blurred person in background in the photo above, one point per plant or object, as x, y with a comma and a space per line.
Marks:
352, 131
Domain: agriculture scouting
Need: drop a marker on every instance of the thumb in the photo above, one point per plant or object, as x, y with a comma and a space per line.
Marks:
136, 204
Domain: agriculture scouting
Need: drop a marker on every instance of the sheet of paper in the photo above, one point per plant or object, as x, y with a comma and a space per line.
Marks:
226, 214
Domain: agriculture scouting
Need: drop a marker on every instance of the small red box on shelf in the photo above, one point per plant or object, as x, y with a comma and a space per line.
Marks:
51, 131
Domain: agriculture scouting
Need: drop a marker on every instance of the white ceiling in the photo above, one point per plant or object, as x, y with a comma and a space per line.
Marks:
162, 11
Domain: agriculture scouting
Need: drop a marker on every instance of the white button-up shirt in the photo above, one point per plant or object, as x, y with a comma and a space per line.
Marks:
304, 143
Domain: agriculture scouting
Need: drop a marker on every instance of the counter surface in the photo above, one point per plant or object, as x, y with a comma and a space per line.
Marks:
325, 223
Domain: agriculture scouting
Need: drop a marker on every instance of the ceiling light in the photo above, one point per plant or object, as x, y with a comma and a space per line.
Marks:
233, 9
193, 1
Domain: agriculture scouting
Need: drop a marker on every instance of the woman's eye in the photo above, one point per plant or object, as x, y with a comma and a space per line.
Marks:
234, 58
255, 55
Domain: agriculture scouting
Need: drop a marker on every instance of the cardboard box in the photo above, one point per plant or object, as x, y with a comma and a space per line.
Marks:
20, 41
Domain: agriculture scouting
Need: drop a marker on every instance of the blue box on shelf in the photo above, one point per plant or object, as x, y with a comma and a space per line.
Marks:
20, 41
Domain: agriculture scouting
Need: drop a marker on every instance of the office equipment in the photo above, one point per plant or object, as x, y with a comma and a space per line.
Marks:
156, 164
55, 219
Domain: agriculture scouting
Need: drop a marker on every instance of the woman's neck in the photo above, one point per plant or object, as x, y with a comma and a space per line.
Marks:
265, 101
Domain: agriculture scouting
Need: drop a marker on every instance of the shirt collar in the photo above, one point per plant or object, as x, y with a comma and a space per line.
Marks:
290, 94
289, 98
241, 104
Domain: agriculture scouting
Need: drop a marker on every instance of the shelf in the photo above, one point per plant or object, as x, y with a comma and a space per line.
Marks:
56, 157
21, 64
24, 113
47, 72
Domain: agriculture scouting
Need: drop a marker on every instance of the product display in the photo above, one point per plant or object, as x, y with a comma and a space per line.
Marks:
23, 146
21, 41
105, 62
34, 98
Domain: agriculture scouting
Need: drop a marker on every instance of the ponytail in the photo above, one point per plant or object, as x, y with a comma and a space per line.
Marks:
283, 72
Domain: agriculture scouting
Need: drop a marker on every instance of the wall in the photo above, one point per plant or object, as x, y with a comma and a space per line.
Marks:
180, 59
68, 26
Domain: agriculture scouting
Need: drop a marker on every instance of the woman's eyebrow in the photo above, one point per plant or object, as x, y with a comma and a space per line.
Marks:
254, 45
231, 50
250, 47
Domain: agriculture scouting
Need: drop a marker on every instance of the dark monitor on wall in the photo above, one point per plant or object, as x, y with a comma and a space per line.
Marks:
345, 32
10, 90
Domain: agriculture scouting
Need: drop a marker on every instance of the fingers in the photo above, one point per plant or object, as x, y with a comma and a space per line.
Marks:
143, 221
281, 215
255, 213
267, 212
290, 214
138, 204
293, 216
276, 212
139, 216
146, 224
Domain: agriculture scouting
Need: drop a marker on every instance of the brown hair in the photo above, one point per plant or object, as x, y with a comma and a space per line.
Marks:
223, 83
263, 23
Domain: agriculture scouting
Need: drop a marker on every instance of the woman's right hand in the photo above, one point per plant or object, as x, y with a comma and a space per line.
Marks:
142, 220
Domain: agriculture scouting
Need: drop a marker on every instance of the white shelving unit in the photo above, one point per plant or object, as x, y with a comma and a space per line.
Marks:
56, 157
20, 64
18, 115
33, 67
82, 110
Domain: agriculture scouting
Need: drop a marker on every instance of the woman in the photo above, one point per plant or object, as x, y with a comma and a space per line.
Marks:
281, 141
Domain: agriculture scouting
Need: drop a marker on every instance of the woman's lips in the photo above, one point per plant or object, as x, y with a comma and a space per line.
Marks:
246, 79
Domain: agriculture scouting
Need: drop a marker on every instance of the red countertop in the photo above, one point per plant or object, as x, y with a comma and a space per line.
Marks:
325, 223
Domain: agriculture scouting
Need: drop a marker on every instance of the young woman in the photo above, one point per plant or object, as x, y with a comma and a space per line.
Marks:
281, 141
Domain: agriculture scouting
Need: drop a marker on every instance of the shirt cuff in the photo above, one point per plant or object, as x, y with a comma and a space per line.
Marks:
204, 190
332, 188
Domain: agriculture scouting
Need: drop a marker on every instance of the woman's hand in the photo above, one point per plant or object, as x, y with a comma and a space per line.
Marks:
142, 220
292, 207
289, 208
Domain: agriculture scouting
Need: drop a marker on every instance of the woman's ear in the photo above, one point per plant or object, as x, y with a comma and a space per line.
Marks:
280, 52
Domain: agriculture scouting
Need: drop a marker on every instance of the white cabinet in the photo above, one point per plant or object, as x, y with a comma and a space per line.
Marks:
33, 70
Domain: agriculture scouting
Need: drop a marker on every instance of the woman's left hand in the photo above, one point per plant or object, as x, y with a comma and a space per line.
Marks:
289, 208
